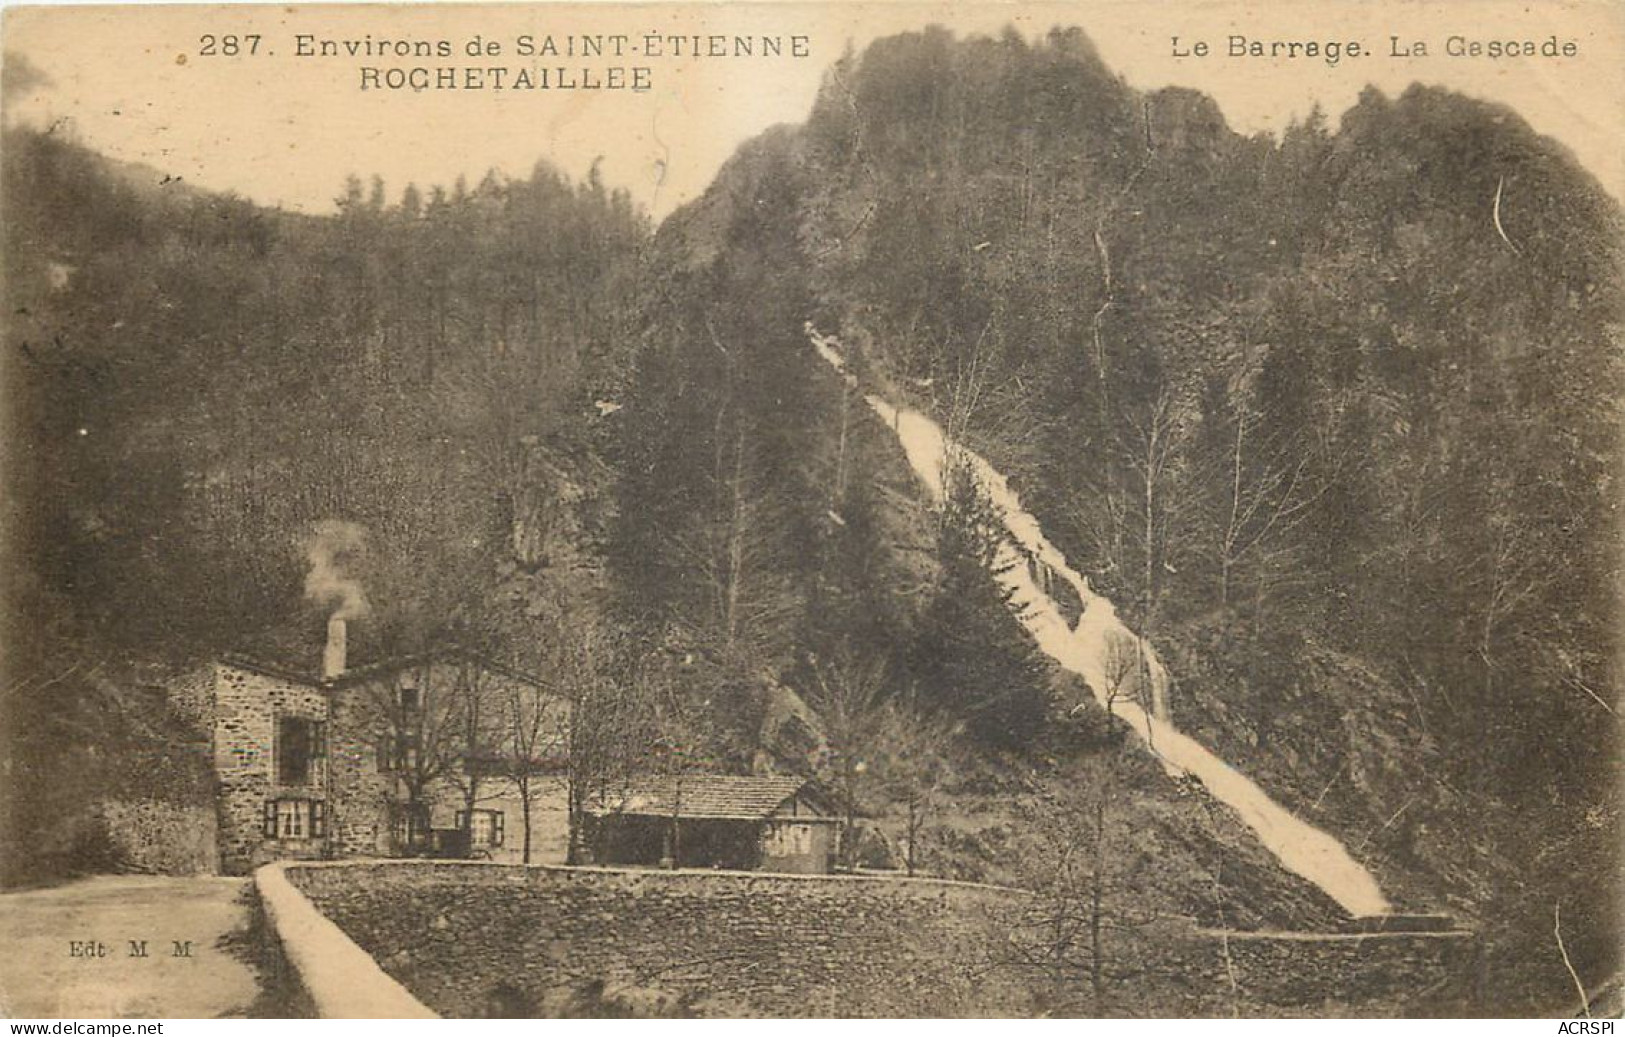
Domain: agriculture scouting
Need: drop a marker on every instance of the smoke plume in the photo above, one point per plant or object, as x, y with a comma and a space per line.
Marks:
333, 549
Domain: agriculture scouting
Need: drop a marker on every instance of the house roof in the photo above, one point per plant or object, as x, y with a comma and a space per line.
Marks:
294, 652
739, 797
292, 647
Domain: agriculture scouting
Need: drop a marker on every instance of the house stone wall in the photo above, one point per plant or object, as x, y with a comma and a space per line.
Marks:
358, 794
359, 818
246, 707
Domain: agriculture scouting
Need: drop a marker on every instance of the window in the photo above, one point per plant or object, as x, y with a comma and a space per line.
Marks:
298, 747
295, 819
412, 827
486, 831
397, 753
790, 840
800, 839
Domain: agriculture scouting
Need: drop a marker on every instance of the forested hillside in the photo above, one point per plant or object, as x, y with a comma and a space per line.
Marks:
196, 387
1332, 418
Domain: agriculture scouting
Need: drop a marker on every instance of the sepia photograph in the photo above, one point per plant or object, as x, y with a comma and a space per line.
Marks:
808, 510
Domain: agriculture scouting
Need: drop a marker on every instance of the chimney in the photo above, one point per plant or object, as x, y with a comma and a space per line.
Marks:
333, 660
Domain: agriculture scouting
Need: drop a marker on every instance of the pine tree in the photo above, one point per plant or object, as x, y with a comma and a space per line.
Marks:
970, 657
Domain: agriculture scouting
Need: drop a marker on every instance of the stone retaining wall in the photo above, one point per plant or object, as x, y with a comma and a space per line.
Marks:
156, 837
1342, 974
472, 939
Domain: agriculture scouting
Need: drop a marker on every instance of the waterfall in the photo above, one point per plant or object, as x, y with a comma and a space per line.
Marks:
1121, 670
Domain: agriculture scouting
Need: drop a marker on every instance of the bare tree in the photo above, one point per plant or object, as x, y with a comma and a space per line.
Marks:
417, 742
745, 600
671, 746
1081, 872
612, 727
912, 747
477, 734
537, 729
1155, 453
1133, 511
1274, 482
849, 692
1061, 933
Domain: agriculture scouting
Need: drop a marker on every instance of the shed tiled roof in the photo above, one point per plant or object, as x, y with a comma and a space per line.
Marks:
729, 796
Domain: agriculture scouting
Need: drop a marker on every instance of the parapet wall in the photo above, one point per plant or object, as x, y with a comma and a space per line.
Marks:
340, 979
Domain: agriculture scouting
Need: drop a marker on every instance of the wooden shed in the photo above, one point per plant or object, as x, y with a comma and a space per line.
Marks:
738, 822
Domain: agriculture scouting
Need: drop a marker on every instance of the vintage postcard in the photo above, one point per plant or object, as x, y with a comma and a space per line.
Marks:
774, 510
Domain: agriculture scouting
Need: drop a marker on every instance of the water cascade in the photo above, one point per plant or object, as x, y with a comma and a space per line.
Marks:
1121, 670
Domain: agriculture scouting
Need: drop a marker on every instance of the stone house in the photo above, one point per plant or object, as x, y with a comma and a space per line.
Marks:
316, 757
738, 822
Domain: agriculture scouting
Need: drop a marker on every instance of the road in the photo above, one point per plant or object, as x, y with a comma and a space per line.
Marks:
42, 977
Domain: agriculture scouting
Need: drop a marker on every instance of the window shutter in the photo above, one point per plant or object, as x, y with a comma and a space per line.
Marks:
270, 819
318, 819
497, 828
458, 821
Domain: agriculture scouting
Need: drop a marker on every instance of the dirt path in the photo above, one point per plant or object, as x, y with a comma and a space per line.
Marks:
41, 977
